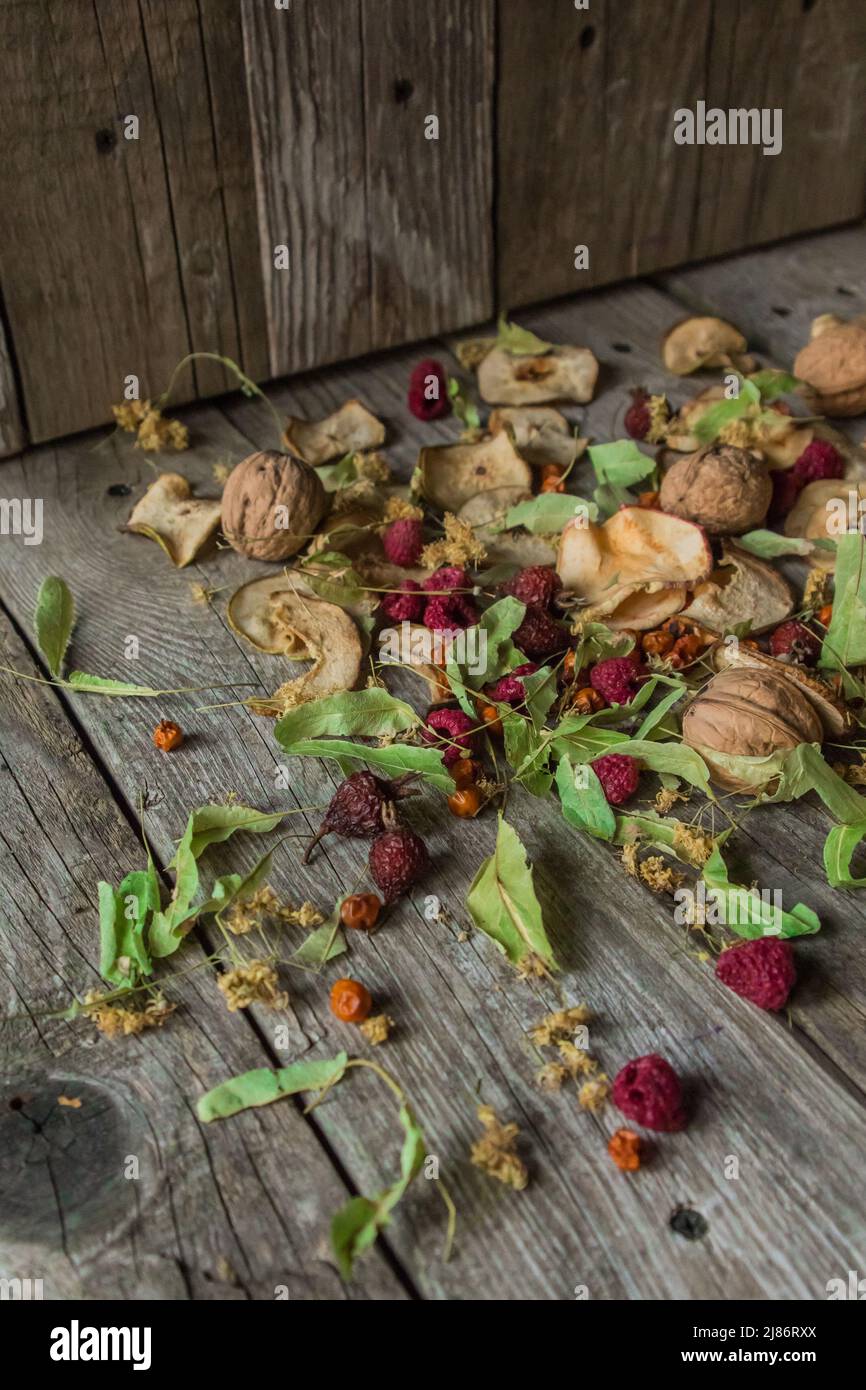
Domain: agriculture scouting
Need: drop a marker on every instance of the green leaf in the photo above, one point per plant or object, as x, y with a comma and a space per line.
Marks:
845, 642
547, 513
708, 427
540, 692
839, 848
464, 409
527, 752
520, 342
165, 935
657, 713
331, 577
263, 1086
497, 654
394, 759
356, 1225
333, 476
54, 620
503, 904
123, 915
324, 943
671, 757
772, 384
100, 685
367, 713
583, 801
657, 832
745, 911
597, 642
769, 544
620, 464
213, 824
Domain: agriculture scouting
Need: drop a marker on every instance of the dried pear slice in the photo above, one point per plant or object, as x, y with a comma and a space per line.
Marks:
540, 433
563, 374
170, 515
636, 546
256, 612
453, 473
742, 589
704, 341
326, 635
809, 515
348, 430
486, 507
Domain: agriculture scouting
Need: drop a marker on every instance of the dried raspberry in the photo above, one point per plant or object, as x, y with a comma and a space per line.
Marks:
637, 417
534, 586
453, 725
797, 641
761, 971
403, 541
619, 776
428, 390
362, 805
820, 459
538, 636
786, 489
616, 678
449, 614
405, 606
510, 690
448, 577
398, 858
647, 1091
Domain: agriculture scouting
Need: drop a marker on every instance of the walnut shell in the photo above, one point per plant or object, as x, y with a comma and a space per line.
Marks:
724, 489
272, 504
748, 712
833, 364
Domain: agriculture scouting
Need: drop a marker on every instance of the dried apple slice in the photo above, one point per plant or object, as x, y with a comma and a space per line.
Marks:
540, 433
640, 608
563, 374
813, 508
704, 341
170, 515
741, 589
452, 473
348, 430
305, 629
256, 611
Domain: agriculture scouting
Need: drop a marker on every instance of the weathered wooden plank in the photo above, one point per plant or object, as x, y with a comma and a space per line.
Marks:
87, 256
459, 1012
13, 435
232, 1211
429, 199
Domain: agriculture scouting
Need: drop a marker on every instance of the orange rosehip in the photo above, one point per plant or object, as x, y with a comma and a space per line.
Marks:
465, 771
465, 803
360, 911
587, 701
648, 500
490, 715
552, 484
351, 1001
657, 643
552, 470
685, 650
167, 735
624, 1148
825, 614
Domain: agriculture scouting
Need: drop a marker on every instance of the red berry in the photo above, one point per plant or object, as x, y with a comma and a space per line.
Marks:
398, 858
535, 586
820, 459
761, 971
405, 606
362, 805
428, 390
616, 678
451, 729
510, 690
637, 417
446, 615
787, 487
647, 1091
619, 776
447, 578
795, 640
538, 636
403, 541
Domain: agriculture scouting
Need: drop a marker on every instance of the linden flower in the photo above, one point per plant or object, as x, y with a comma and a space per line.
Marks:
377, 1028
816, 589
665, 798
658, 875
551, 1076
576, 1061
264, 905
659, 415
494, 1153
593, 1094
561, 1024
373, 467
398, 509
697, 844
459, 546
123, 1021
254, 983
629, 859
130, 414
154, 432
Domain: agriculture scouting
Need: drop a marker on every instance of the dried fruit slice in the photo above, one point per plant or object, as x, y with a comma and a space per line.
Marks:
741, 589
810, 513
344, 431
704, 342
313, 630
453, 473
170, 515
833, 714
256, 611
487, 507
563, 374
540, 433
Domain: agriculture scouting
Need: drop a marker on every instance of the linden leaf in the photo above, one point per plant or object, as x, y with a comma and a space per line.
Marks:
264, 1085
503, 903
845, 642
368, 713
54, 620
746, 911
520, 342
620, 464
583, 801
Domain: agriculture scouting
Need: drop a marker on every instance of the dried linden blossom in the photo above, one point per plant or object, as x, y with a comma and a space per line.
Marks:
697, 844
153, 431
121, 1021
459, 546
221, 473
494, 1153
254, 983
361, 493
377, 1029
659, 415
816, 591
666, 797
593, 1094
202, 593
852, 773
575, 1060
264, 906
560, 1025
658, 875
398, 509
551, 1076
373, 467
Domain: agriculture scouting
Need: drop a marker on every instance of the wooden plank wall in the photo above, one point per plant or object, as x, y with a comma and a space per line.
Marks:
307, 127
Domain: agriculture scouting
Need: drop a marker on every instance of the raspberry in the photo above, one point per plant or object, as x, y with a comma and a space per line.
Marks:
795, 640
398, 858
405, 606
619, 776
428, 399
647, 1091
761, 971
616, 678
449, 614
453, 725
448, 577
637, 417
786, 489
509, 690
403, 541
819, 459
538, 636
535, 586
362, 805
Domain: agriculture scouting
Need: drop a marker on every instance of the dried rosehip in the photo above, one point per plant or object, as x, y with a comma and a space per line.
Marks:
825, 614
552, 484
624, 1148
351, 1001
168, 735
685, 650
657, 643
587, 701
360, 911
428, 390
465, 772
465, 803
361, 806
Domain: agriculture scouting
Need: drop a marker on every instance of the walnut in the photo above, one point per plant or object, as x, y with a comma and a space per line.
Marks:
749, 712
271, 505
833, 365
725, 489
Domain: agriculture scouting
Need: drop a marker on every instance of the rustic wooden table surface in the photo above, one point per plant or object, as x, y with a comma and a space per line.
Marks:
241, 1207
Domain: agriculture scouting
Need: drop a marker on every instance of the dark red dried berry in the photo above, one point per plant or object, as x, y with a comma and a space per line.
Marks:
428, 390
535, 586
793, 639
761, 971
647, 1091
538, 636
398, 858
407, 605
361, 806
787, 487
819, 460
403, 541
637, 417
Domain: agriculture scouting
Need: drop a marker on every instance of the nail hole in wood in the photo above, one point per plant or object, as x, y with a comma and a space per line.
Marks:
688, 1223
403, 90
16, 1103
841, 289
808, 5
781, 311
105, 141
587, 36
621, 347
119, 490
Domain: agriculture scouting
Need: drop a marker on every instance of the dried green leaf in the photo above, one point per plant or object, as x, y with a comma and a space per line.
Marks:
365, 713
503, 904
54, 620
393, 759
583, 801
520, 342
264, 1085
